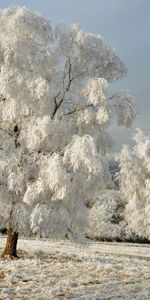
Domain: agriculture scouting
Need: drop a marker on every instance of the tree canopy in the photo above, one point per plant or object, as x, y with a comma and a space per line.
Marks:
54, 114
135, 183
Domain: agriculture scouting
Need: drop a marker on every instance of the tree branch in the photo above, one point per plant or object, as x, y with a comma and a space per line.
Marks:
14, 133
70, 80
78, 109
57, 105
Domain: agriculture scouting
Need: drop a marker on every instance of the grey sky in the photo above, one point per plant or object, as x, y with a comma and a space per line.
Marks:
125, 24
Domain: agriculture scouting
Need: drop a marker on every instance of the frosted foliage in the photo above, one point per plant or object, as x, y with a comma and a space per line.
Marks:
95, 91
126, 109
135, 184
80, 152
107, 218
102, 116
54, 115
143, 147
25, 24
53, 174
34, 192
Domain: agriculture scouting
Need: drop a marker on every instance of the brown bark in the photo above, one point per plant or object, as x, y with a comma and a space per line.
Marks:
11, 244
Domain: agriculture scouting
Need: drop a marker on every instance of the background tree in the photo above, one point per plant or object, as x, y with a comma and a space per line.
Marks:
106, 215
135, 184
54, 115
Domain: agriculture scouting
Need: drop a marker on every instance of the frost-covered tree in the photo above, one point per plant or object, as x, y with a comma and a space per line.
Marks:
135, 184
54, 115
106, 215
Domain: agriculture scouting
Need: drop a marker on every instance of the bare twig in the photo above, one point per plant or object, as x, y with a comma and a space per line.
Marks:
78, 109
58, 104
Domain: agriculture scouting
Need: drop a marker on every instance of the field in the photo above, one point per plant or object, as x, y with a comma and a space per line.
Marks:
49, 270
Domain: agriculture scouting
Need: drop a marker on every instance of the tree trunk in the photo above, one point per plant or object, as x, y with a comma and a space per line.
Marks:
11, 244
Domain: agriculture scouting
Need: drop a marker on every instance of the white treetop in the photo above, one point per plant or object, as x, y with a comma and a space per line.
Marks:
54, 115
135, 184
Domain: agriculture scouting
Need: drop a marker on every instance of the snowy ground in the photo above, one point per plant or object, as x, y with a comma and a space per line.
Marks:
62, 270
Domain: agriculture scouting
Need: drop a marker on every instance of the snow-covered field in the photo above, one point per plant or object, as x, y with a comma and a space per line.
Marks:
63, 270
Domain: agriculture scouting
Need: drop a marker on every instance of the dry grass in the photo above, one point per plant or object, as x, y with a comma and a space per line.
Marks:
61, 271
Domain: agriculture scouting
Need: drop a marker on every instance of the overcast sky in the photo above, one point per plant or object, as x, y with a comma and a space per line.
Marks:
125, 24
